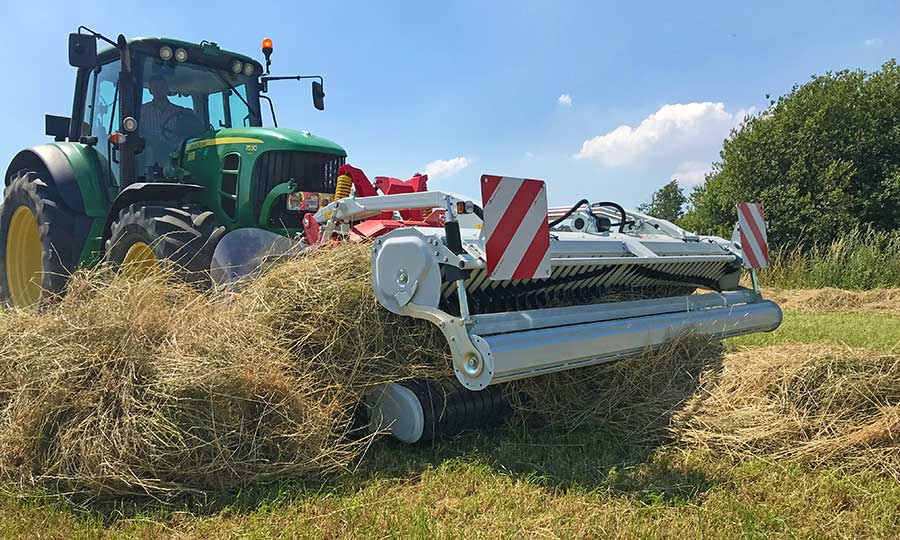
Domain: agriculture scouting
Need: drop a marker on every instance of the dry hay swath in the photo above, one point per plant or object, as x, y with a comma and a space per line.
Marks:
812, 403
147, 387
836, 300
630, 402
137, 387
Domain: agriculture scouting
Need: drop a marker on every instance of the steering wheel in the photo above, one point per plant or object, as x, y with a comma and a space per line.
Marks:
179, 125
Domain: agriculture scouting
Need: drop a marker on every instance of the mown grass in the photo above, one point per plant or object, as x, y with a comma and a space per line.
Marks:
877, 331
512, 484
860, 259
667, 494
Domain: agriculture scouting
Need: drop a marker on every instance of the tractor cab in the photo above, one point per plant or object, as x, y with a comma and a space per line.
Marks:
140, 113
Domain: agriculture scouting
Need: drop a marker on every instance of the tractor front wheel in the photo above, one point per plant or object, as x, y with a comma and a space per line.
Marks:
38, 248
145, 236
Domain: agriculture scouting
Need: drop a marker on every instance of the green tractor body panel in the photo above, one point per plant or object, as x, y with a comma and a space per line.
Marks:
94, 181
92, 173
205, 160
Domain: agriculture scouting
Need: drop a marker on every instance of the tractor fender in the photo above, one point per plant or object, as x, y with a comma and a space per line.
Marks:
52, 159
168, 193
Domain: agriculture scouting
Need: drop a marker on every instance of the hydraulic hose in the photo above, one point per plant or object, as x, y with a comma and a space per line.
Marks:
624, 215
571, 211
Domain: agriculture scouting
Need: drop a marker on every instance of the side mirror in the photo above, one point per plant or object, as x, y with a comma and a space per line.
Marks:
56, 126
82, 50
318, 95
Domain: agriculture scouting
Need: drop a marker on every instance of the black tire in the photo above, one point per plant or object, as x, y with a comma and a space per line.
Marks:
60, 242
184, 237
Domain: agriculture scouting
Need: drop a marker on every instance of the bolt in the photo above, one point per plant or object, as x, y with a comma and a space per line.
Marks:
472, 363
402, 277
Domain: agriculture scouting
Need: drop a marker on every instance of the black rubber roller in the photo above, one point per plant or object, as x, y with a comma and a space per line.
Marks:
427, 410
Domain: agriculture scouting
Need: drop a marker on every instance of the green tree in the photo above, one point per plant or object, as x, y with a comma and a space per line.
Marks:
821, 159
666, 203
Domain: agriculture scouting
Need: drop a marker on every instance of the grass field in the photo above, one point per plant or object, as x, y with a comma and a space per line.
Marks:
515, 484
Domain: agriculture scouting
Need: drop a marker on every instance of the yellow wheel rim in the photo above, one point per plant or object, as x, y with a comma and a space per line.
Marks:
139, 260
24, 258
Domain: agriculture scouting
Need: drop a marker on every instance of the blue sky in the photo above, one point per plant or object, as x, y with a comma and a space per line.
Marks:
603, 100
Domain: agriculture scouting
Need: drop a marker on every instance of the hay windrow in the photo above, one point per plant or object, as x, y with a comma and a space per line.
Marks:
148, 387
836, 300
630, 402
819, 404
137, 387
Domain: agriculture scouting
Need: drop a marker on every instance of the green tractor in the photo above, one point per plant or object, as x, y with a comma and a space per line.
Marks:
164, 153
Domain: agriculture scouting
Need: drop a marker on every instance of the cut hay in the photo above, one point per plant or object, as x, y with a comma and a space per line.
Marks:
836, 300
630, 402
145, 387
811, 403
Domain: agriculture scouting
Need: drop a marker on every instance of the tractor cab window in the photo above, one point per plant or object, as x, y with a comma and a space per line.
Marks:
181, 101
101, 113
227, 108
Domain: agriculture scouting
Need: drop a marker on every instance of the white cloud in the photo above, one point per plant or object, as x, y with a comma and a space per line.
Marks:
446, 167
691, 173
565, 100
673, 134
529, 155
873, 42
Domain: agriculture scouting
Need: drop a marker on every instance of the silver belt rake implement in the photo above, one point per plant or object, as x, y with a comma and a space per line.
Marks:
516, 296
422, 273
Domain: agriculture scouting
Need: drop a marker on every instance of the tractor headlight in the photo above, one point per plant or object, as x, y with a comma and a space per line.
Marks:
181, 55
130, 124
248, 69
165, 52
237, 67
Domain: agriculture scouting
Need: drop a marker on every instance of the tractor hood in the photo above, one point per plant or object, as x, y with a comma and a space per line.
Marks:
263, 139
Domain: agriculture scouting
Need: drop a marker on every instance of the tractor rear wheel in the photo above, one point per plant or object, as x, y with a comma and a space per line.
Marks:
38, 248
145, 236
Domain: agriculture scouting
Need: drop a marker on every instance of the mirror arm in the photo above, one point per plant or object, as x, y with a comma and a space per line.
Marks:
265, 80
97, 35
271, 108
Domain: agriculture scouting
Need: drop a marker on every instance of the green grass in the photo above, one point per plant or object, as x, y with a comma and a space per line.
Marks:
664, 495
512, 484
877, 331
858, 260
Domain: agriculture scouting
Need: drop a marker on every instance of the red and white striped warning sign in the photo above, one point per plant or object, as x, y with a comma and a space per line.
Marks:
516, 232
754, 244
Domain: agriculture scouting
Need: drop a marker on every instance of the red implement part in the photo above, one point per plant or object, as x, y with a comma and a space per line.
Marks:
373, 228
311, 228
361, 183
436, 218
364, 187
384, 222
395, 186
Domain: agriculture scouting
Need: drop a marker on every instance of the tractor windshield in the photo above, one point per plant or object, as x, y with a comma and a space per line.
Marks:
181, 101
